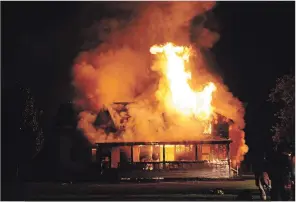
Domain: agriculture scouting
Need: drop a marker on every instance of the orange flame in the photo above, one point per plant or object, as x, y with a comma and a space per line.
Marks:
177, 94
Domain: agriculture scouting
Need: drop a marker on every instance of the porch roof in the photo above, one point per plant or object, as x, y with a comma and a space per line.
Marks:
212, 141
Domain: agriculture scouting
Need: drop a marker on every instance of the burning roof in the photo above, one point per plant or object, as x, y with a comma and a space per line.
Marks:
106, 119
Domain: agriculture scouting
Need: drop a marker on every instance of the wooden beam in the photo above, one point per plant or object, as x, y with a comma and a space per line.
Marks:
114, 144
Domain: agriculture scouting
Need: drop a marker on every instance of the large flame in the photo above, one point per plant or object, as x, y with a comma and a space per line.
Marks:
175, 91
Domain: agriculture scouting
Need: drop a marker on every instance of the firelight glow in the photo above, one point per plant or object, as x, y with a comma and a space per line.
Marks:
176, 93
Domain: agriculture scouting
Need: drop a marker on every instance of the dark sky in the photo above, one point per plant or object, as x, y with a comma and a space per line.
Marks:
41, 39
257, 45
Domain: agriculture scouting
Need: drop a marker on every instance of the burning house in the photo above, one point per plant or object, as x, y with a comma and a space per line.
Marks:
207, 158
177, 115
178, 128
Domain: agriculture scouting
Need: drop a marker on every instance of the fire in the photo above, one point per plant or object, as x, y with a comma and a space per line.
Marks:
117, 71
177, 94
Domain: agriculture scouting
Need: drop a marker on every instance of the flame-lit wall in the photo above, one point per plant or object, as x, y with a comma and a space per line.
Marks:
201, 160
181, 160
154, 153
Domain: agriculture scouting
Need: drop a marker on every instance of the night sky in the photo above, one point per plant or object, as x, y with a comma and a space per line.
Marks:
41, 39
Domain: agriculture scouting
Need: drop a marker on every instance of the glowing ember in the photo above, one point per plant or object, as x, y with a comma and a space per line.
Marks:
175, 90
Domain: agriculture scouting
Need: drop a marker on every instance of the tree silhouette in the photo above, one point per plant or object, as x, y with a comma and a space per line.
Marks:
283, 95
31, 122
22, 138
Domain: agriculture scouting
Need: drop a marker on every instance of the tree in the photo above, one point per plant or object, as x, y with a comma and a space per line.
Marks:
20, 130
283, 95
31, 122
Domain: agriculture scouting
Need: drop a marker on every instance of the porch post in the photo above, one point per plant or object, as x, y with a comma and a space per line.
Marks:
98, 156
196, 154
228, 155
163, 155
132, 154
110, 157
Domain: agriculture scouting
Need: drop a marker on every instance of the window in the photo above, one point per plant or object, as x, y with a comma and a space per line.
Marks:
206, 150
